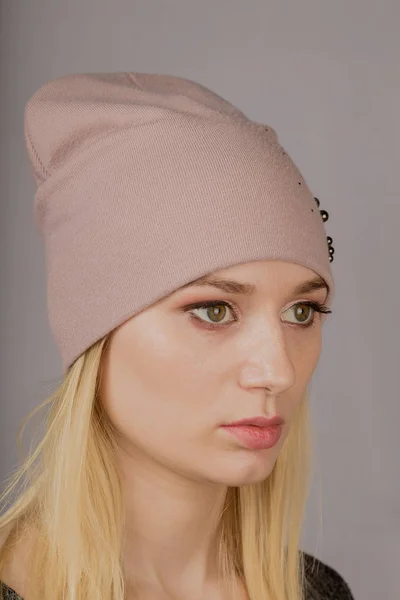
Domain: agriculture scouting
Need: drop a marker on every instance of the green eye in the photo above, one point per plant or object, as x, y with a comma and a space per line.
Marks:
303, 312
214, 310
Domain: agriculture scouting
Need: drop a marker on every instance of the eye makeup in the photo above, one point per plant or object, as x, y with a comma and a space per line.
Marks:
316, 307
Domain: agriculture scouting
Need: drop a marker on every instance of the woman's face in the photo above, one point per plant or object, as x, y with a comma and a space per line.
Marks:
170, 381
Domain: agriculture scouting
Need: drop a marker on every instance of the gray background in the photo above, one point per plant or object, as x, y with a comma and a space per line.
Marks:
325, 75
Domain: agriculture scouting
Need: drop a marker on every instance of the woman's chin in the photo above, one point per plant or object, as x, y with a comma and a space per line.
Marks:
246, 469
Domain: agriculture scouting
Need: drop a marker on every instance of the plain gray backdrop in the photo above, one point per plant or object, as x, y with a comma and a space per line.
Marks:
325, 75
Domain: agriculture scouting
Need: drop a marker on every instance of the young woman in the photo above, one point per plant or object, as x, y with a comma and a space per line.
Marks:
188, 280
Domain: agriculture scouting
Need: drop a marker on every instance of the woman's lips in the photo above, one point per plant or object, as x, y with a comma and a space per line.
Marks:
257, 433
260, 421
255, 437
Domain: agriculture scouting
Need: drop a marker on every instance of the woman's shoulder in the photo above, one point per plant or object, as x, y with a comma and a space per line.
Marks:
323, 582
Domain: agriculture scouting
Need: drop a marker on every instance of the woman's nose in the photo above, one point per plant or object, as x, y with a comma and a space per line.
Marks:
268, 365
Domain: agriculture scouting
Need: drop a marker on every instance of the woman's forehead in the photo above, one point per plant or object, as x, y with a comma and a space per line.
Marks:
246, 278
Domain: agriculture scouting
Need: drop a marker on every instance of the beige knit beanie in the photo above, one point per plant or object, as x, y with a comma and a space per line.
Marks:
147, 182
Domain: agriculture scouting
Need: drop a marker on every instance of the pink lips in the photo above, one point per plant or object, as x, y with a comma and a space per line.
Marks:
257, 433
258, 421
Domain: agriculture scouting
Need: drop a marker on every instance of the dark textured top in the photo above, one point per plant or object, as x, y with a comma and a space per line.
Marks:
322, 583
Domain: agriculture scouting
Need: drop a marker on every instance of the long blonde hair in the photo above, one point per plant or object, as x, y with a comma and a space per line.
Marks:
72, 500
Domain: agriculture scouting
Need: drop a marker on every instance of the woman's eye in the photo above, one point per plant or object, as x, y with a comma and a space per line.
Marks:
214, 313
303, 310
303, 313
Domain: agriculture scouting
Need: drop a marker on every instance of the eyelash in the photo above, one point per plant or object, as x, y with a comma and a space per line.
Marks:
316, 306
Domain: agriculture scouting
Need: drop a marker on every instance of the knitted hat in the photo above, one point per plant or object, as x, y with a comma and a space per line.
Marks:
147, 182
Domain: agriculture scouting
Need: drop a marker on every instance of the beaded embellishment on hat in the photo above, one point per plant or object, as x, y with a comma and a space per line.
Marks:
325, 217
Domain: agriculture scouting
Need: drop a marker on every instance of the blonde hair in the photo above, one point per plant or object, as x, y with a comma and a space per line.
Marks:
72, 500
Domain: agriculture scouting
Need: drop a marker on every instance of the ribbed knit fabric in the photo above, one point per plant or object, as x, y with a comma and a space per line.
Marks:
147, 182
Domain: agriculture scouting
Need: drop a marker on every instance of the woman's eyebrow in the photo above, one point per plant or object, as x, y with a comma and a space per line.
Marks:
231, 286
